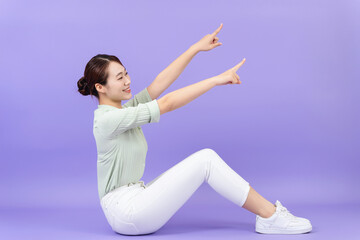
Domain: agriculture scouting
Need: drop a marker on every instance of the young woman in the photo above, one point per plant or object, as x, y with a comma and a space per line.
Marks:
134, 208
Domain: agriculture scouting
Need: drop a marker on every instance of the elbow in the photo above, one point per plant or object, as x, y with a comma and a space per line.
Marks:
164, 105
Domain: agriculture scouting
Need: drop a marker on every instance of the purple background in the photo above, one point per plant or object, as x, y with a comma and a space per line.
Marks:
291, 128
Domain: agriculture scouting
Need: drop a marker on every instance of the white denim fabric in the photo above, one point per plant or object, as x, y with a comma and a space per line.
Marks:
138, 208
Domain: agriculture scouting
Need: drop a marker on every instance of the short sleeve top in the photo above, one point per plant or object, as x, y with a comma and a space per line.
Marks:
120, 141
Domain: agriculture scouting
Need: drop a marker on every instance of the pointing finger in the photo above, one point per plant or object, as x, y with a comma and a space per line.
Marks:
217, 30
239, 65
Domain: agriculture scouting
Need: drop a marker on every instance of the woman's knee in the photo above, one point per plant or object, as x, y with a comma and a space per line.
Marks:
208, 151
205, 155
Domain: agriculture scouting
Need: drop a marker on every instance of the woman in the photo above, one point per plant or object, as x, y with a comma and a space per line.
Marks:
134, 208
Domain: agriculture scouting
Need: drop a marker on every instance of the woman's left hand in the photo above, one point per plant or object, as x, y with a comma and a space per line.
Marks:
209, 41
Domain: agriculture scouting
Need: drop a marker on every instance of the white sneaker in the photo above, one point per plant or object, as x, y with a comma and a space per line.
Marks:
282, 222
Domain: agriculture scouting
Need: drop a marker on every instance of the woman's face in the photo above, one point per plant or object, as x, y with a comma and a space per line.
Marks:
118, 80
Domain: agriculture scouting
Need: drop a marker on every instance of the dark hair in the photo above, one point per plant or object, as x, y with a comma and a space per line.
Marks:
96, 71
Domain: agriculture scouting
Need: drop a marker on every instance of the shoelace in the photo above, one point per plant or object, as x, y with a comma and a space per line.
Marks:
285, 212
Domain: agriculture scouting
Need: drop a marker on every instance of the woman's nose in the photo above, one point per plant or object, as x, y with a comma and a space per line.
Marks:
128, 78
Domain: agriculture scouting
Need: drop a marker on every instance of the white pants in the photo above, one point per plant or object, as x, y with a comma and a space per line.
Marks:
136, 209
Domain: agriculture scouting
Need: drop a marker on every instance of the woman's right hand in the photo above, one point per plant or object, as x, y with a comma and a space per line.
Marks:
229, 76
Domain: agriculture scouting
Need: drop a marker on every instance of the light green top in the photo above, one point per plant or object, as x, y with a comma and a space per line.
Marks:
120, 141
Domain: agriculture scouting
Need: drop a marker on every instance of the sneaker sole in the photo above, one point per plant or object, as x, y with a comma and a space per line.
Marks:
283, 231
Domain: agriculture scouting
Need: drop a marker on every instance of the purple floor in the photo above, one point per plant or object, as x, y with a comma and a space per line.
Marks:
218, 219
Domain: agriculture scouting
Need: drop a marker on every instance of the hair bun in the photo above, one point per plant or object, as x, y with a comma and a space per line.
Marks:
83, 86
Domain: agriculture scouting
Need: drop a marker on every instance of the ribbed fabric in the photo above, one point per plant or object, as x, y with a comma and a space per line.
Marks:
120, 141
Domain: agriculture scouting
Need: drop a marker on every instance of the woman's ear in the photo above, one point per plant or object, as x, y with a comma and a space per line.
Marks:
99, 88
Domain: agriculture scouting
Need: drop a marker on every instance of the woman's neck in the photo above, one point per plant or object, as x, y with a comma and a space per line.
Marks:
111, 103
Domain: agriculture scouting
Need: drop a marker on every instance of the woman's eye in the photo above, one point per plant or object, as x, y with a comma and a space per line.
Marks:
122, 77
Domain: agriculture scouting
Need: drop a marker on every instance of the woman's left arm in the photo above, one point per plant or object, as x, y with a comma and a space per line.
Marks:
173, 71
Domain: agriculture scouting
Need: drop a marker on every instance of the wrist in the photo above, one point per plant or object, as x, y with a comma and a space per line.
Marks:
194, 50
213, 81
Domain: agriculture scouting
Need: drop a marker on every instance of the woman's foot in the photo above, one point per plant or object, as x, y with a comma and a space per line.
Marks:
282, 222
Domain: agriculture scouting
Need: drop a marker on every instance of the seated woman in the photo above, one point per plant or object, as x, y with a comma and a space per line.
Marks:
134, 208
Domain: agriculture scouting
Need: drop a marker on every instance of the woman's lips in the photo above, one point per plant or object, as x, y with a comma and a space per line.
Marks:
128, 91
